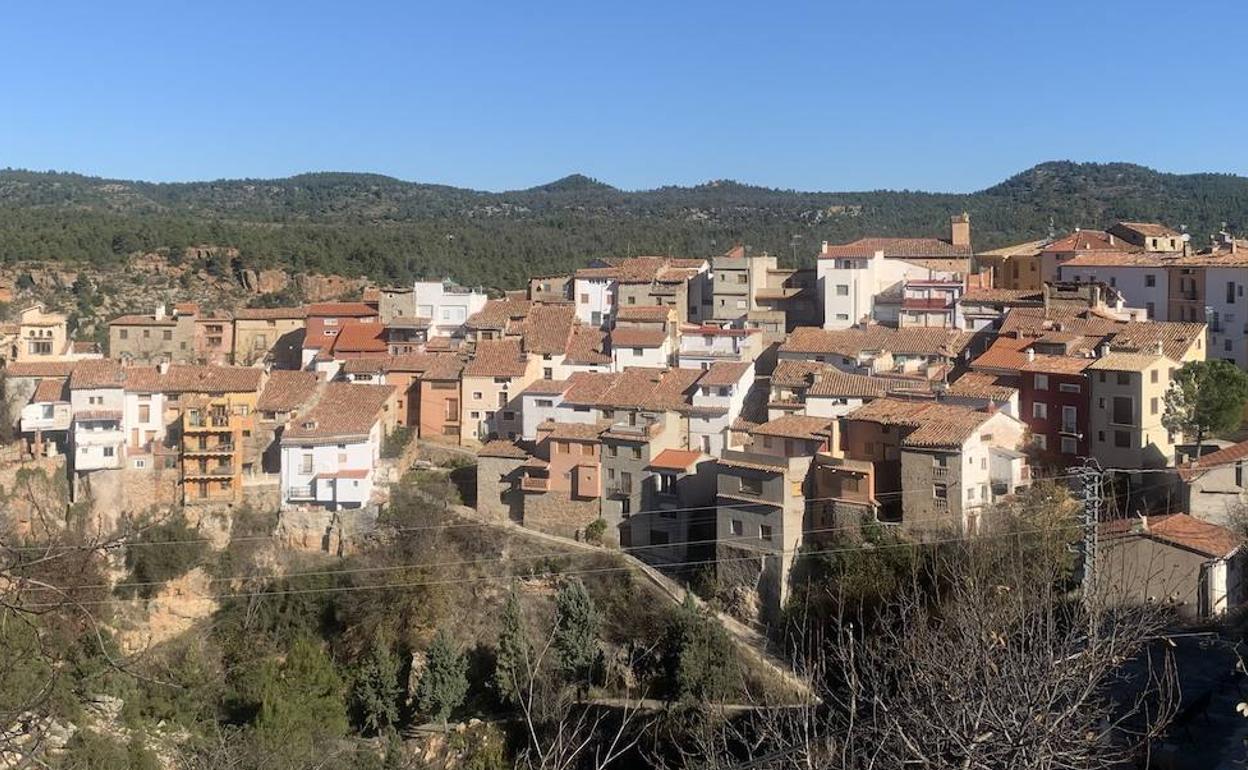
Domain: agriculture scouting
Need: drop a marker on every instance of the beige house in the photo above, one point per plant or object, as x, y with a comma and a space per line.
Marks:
270, 334
42, 336
492, 382
1128, 401
153, 338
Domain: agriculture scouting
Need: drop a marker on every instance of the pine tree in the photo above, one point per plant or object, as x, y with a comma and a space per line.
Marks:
444, 683
698, 655
376, 689
1205, 397
577, 622
511, 667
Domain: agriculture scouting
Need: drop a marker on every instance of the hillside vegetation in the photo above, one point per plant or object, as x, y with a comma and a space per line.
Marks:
392, 230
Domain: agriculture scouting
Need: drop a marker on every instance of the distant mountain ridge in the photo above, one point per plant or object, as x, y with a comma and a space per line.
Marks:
394, 230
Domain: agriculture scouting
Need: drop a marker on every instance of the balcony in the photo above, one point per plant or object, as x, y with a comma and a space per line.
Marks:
940, 472
619, 488
642, 430
213, 472
535, 484
301, 492
207, 422
1069, 428
219, 449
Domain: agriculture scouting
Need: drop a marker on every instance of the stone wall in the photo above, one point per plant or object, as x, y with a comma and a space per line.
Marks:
33, 495
558, 515
497, 497
335, 532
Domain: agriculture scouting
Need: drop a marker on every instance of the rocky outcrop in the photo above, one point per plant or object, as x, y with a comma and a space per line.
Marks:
180, 604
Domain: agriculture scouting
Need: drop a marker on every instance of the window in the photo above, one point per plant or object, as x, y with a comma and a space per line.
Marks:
1228, 346
1152, 405
1154, 376
1069, 387
168, 335
636, 453
1040, 441
477, 395
584, 299
740, 304
509, 415
1239, 474
749, 486
638, 351
1123, 411
1122, 439
1149, 310
452, 408
626, 505
1124, 378
1069, 445
842, 316
842, 290
738, 528
563, 447
140, 463
123, 334
1150, 280
1039, 410
305, 466
502, 399
1230, 292
548, 373
1042, 382
587, 449
764, 532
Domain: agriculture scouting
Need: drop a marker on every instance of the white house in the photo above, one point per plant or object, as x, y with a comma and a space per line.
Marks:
97, 398
631, 347
331, 453
594, 294
46, 418
717, 401
1142, 278
702, 346
143, 412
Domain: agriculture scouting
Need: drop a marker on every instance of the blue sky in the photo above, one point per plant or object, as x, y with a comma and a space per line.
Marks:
818, 96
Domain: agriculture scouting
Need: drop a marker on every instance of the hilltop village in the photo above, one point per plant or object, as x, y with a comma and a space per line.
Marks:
715, 411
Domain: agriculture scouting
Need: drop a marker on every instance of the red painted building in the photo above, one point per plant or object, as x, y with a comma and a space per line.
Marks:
1054, 401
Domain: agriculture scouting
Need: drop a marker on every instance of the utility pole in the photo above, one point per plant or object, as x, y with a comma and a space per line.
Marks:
1091, 480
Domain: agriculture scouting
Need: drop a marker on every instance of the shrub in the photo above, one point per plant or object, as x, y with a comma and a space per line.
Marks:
595, 531
181, 549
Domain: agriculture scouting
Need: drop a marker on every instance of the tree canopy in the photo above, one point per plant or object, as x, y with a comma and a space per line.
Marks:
1205, 397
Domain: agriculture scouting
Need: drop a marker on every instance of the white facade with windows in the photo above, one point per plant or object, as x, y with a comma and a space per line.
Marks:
1142, 286
1227, 308
446, 305
333, 475
595, 301
849, 285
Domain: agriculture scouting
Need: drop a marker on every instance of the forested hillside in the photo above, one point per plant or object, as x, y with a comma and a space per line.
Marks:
391, 230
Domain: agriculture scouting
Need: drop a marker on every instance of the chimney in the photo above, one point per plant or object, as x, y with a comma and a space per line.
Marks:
160, 312
163, 367
824, 250
960, 229
1103, 350
1159, 348
1031, 354
991, 408
1111, 239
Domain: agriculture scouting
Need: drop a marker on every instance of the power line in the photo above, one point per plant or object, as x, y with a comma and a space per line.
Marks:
625, 568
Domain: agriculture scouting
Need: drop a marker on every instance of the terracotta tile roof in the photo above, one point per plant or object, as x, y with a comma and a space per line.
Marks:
1105, 258
344, 410
1057, 364
84, 346
794, 373
585, 388
1224, 456
571, 431
501, 448
586, 347
934, 425
142, 320
40, 368
849, 342
546, 388
1028, 249
1176, 337
643, 313
341, 310
986, 386
833, 383
1087, 240
361, 338
366, 365
1126, 362
548, 328
286, 391
270, 313
186, 308
441, 344
1193, 534
675, 459
496, 314
414, 362
101, 373
1148, 229
1004, 354
1003, 297
498, 358
49, 390
644, 269
635, 388
187, 378
724, 373
755, 462
346, 473
897, 247
637, 338
143, 379
445, 366
795, 426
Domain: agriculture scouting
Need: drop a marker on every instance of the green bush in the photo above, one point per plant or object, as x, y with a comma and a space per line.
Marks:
179, 551
595, 531
396, 442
